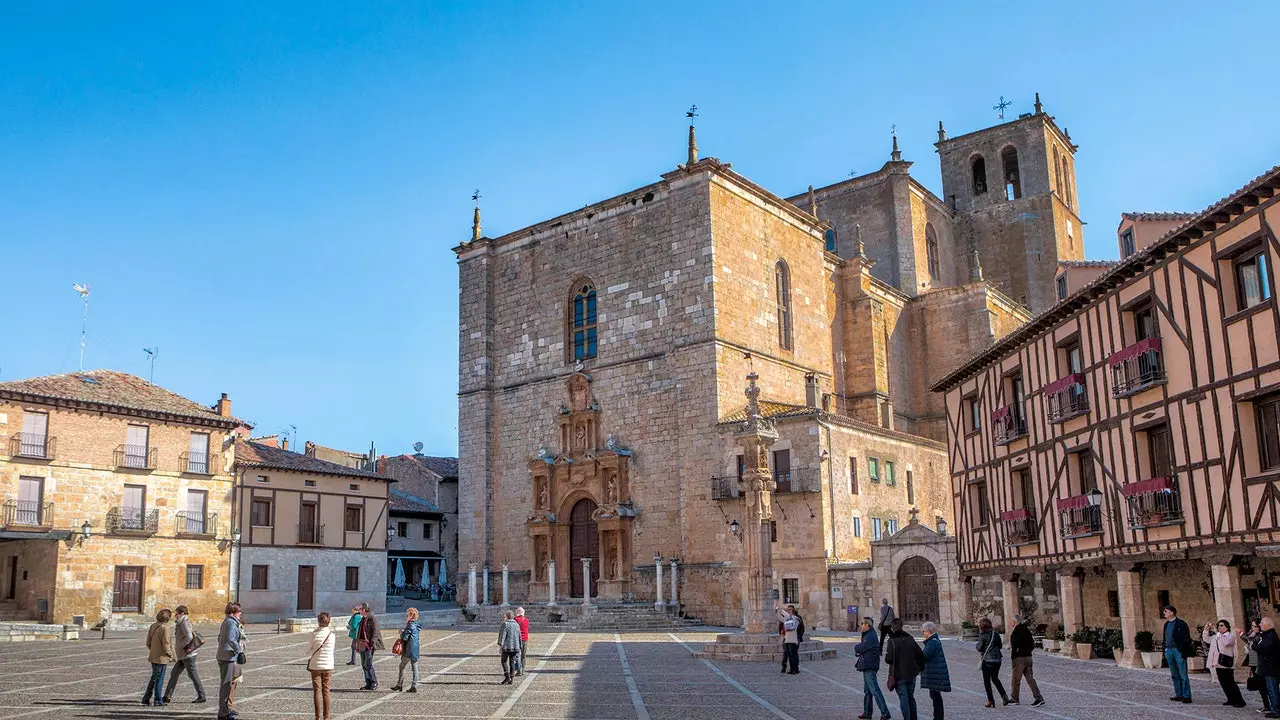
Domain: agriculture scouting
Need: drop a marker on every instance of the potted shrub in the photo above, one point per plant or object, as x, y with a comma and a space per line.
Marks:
1084, 638
1145, 643
1195, 663
1051, 639
1109, 641
968, 631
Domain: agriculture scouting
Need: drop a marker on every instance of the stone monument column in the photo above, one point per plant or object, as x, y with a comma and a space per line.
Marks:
471, 585
674, 601
757, 434
657, 583
1072, 609
1132, 617
485, 599
586, 581
504, 585
551, 582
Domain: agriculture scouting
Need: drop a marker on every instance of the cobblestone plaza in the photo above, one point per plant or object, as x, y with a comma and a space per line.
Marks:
571, 675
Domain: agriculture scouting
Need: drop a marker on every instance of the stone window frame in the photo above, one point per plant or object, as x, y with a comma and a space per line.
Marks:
857, 525
911, 487
583, 290
854, 488
890, 479
195, 577
773, 531
873, 469
891, 526
786, 320
877, 529
793, 597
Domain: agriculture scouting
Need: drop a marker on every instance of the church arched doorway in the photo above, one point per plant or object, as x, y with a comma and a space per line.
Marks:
917, 591
584, 542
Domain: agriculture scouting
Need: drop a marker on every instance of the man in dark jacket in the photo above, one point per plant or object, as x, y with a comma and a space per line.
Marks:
868, 652
905, 661
1177, 646
1021, 644
368, 641
1267, 645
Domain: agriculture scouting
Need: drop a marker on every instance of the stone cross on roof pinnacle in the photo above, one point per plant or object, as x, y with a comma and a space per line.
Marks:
896, 155
692, 113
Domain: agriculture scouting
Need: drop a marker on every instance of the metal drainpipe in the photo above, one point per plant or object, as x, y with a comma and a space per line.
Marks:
831, 496
235, 545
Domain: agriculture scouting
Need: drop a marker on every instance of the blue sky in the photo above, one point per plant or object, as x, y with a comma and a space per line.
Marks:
269, 192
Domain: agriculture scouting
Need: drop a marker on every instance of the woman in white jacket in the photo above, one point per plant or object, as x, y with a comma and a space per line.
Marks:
1222, 660
320, 663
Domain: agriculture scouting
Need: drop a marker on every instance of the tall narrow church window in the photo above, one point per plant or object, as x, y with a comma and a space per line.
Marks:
931, 249
584, 322
782, 283
1057, 175
979, 175
830, 238
1066, 178
1012, 182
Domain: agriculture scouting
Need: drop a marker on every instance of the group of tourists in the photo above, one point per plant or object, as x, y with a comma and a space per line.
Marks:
1257, 648
181, 645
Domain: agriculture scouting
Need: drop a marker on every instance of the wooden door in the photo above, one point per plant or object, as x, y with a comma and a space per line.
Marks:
127, 594
307, 531
584, 541
306, 587
917, 591
12, 587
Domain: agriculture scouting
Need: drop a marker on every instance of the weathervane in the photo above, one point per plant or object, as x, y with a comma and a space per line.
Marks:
475, 197
1000, 106
691, 113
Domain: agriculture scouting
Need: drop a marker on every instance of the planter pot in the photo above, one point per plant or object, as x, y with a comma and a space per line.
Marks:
1151, 660
969, 633
1084, 651
1195, 665
1049, 645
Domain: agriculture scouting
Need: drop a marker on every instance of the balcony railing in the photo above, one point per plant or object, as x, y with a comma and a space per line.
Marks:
1137, 368
724, 488
198, 463
782, 482
30, 445
139, 457
193, 523
1153, 502
1008, 424
1020, 527
133, 521
1066, 398
1081, 515
20, 514
310, 534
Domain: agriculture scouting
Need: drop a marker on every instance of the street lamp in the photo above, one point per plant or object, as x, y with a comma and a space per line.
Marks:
942, 527
84, 531
235, 536
1095, 497
736, 529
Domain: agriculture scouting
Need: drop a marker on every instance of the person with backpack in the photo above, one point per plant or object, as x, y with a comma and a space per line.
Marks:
905, 660
186, 643
1177, 648
409, 651
799, 635
160, 653
1021, 644
989, 644
935, 678
868, 663
788, 629
320, 664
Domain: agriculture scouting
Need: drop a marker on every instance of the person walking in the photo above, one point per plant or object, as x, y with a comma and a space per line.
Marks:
1222, 660
160, 653
789, 632
186, 643
508, 645
523, 622
1256, 681
935, 678
1021, 645
230, 649
409, 651
886, 619
868, 663
320, 664
1177, 647
989, 645
1268, 646
353, 626
368, 642
905, 660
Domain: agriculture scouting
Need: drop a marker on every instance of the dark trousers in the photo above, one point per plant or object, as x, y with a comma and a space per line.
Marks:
1227, 679
226, 672
991, 676
155, 684
1262, 688
791, 656
188, 665
906, 690
524, 645
510, 663
366, 664
936, 697
1022, 669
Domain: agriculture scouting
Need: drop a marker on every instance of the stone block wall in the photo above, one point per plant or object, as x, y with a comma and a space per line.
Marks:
280, 599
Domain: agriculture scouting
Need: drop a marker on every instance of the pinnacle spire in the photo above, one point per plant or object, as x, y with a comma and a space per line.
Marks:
975, 272
862, 249
475, 219
1039, 107
942, 133
896, 155
692, 113
813, 203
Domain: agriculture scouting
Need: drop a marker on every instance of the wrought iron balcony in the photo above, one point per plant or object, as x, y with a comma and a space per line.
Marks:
782, 482
133, 521
1066, 398
1137, 368
139, 457
1081, 515
29, 445
198, 463
191, 523
1008, 424
27, 514
1020, 527
310, 534
1153, 502
724, 488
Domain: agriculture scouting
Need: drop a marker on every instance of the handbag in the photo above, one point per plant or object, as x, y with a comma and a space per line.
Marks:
891, 683
1253, 684
196, 641
241, 659
397, 648
362, 645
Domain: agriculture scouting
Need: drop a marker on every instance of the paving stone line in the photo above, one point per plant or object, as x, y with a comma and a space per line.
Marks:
740, 687
392, 695
637, 702
510, 702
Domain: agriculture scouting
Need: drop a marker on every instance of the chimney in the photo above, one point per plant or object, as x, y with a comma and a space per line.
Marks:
284, 443
224, 406
811, 390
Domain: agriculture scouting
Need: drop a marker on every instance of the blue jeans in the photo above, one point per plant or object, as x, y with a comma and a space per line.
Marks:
1273, 692
156, 683
366, 663
871, 689
907, 698
1178, 672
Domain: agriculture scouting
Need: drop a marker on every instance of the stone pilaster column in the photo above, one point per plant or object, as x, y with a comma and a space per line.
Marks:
1009, 598
1227, 601
505, 602
1129, 584
485, 599
1072, 610
586, 581
674, 592
551, 582
471, 585
966, 600
657, 583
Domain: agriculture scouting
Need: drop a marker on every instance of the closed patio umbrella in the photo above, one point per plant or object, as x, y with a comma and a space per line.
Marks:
399, 580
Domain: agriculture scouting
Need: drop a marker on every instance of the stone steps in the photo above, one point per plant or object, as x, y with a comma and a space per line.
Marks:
743, 647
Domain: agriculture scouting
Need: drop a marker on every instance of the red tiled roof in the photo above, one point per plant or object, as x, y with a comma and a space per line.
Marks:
112, 389
1087, 263
257, 455
1158, 215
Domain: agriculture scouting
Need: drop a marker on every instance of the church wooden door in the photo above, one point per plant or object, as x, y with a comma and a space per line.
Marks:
917, 591
584, 541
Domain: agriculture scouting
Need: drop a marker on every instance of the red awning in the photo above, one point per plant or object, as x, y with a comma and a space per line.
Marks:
1019, 514
1143, 487
1001, 413
1064, 383
1135, 350
1074, 503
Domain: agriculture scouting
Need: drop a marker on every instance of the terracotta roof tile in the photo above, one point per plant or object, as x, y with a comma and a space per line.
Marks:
442, 466
1088, 263
408, 502
1159, 215
256, 455
113, 389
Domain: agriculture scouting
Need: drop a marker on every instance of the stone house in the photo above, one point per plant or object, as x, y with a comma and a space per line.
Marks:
435, 481
312, 534
116, 499
415, 542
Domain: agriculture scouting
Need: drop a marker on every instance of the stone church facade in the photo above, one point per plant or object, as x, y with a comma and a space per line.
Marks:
603, 356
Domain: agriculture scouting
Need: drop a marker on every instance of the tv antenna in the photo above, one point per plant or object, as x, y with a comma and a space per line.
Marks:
152, 354
84, 322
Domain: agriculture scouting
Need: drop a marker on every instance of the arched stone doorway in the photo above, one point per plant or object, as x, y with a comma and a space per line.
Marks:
584, 542
917, 591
